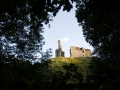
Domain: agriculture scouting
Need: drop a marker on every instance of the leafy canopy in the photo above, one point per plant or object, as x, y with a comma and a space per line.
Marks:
100, 22
21, 25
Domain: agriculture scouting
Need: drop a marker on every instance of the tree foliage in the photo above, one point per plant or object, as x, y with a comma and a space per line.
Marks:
100, 22
21, 23
101, 28
19, 74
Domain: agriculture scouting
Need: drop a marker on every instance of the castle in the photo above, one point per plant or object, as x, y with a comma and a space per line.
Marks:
74, 51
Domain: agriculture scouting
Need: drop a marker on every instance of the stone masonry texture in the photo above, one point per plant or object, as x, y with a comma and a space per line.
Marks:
79, 52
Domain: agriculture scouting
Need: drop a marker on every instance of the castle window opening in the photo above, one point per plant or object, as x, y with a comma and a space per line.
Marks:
83, 51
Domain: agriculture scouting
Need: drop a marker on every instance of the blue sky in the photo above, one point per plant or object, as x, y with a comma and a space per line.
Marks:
65, 28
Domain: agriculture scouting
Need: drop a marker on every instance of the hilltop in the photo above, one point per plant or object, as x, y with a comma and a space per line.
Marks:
57, 63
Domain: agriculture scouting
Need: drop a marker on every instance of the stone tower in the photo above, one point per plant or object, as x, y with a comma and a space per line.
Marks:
59, 52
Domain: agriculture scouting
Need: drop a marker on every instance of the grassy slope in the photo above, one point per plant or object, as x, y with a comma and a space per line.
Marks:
82, 63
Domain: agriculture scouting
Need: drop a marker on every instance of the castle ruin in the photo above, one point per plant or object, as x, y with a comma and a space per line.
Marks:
59, 52
74, 51
79, 52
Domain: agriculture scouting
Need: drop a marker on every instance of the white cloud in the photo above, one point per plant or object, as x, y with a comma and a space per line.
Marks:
65, 39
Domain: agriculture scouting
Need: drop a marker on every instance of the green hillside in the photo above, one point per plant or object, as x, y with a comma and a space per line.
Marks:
56, 64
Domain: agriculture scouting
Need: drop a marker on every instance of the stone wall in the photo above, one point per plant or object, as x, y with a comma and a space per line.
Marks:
79, 52
59, 52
